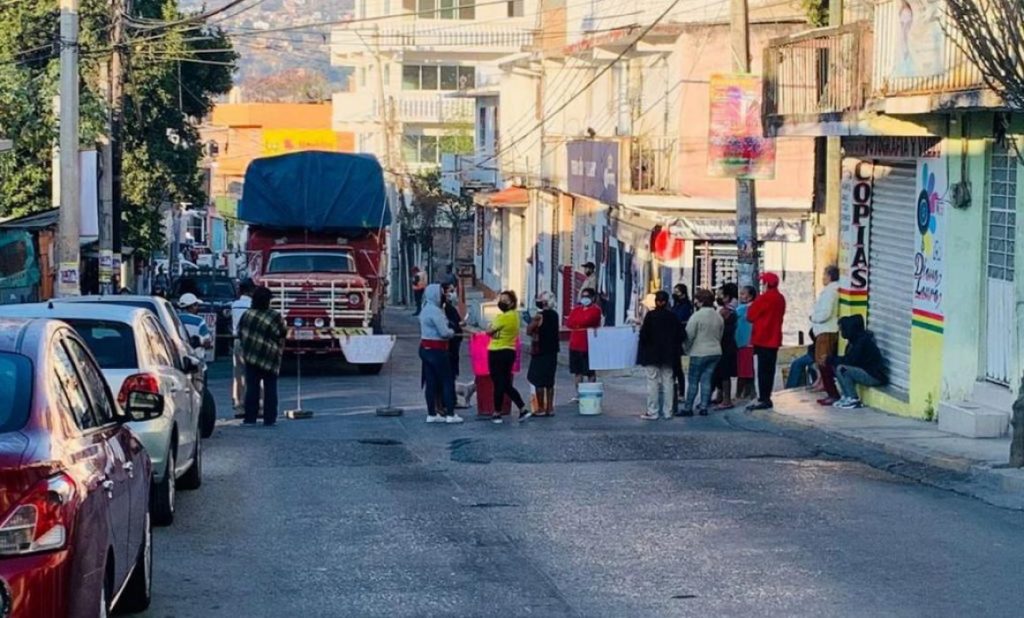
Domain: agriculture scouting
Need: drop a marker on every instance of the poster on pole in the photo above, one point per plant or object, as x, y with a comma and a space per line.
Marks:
737, 147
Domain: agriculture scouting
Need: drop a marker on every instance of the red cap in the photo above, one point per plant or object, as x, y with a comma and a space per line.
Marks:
770, 279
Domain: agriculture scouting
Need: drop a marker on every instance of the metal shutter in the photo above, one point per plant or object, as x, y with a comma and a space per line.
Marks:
891, 284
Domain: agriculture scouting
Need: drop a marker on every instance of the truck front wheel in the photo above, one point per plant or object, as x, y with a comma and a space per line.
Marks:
376, 325
371, 369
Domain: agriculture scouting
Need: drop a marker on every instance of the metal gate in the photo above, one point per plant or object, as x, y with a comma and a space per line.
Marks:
891, 283
1002, 231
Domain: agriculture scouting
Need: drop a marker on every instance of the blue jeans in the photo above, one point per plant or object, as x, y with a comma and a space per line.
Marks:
254, 377
702, 370
849, 377
437, 378
798, 371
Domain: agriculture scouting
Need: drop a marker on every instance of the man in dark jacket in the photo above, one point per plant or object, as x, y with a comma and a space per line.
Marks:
660, 339
682, 307
862, 363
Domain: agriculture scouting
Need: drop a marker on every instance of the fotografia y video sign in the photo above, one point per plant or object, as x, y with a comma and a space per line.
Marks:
594, 169
737, 147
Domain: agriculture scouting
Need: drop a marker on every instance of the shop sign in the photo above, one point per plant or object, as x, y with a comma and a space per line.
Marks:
717, 228
893, 147
855, 230
929, 245
594, 169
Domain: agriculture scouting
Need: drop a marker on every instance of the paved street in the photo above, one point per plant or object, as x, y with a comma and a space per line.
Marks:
348, 514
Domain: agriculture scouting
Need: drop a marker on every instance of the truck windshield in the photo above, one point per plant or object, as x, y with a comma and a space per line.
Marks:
311, 262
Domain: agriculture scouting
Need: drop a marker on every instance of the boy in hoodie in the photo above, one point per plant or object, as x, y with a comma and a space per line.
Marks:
862, 363
435, 336
765, 315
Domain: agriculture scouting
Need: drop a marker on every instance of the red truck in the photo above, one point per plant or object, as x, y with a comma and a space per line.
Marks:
317, 239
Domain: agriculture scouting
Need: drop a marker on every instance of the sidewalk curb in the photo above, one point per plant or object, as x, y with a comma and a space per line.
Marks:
999, 487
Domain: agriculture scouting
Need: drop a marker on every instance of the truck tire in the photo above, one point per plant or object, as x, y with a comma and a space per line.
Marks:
370, 369
207, 415
377, 325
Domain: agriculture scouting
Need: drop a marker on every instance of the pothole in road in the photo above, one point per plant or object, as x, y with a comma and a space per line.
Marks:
380, 442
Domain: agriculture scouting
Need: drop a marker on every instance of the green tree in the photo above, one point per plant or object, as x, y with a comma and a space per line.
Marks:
173, 75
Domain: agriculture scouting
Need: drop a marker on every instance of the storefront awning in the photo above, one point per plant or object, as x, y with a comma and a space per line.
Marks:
512, 197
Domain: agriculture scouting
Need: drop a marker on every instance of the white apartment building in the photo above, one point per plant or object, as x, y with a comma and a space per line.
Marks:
410, 60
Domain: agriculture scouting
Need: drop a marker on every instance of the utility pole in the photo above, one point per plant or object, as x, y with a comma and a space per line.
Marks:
111, 76
826, 242
746, 195
68, 247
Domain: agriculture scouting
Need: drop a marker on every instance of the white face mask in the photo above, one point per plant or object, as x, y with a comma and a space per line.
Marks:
453, 297
586, 301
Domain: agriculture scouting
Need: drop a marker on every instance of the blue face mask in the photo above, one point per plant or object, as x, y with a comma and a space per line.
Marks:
586, 301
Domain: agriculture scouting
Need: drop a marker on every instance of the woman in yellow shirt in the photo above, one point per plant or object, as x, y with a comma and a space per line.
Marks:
501, 355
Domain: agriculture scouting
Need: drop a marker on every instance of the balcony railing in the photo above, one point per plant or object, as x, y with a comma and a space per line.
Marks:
433, 107
433, 35
408, 107
817, 73
652, 164
952, 69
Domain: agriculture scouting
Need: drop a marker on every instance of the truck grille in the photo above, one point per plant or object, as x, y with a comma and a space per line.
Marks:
332, 301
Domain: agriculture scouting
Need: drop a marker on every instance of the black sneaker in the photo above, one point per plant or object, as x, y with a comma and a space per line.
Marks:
760, 405
683, 413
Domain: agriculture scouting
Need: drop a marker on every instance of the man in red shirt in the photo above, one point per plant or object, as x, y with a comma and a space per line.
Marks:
583, 316
765, 316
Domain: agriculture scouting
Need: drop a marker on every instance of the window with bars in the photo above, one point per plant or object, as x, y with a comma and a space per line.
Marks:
1002, 214
434, 77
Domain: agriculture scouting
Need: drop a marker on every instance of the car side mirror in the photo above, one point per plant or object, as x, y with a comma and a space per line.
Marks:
195, 341
190, 364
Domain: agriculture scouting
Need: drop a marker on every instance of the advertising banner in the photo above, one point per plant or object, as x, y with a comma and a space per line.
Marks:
856, 190
281, 141
594, 169
919, 49
929, 245
737, 147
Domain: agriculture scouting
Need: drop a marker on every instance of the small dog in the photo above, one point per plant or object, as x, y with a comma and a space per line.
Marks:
464, 394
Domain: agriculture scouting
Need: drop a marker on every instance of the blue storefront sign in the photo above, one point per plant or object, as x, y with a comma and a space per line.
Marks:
594, 169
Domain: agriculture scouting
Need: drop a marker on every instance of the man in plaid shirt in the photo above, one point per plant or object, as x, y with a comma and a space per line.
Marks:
262, 333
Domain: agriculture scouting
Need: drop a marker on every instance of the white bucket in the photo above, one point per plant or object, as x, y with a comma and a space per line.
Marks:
591, 394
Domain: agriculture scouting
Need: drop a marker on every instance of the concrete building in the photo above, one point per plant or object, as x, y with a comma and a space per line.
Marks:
405, 68
604, 131
929, 205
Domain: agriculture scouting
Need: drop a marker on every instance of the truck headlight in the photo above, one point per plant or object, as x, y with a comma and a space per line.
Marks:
354, 299
319, 322
299, 322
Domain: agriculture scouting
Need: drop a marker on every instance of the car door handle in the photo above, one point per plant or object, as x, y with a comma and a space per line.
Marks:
129, 467
108, 486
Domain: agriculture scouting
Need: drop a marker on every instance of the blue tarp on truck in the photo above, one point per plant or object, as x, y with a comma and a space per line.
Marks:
315, 191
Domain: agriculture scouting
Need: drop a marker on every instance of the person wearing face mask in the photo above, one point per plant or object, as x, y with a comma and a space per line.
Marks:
501, 355
658, 349
583, 316
435, 335
544, 348
682, 308
450, 304
590, 283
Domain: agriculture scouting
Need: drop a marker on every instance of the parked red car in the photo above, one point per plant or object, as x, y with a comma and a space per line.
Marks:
75, 535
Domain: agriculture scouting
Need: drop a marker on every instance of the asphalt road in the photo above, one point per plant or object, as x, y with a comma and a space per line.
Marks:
349, 514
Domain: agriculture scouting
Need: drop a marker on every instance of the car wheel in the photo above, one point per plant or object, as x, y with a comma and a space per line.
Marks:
193, 479
207, 415
371, 369
162, 495
138, 592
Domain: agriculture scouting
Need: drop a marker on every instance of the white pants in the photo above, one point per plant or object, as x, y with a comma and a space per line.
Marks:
660, 386
237, 376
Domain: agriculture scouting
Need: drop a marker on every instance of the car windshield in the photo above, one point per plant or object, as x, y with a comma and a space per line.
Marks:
311, 262
16, 384
205, 288
112, 343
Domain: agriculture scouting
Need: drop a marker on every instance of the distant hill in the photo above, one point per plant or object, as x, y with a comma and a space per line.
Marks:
267, 54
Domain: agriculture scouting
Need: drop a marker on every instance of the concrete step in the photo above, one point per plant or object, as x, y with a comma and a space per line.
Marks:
973, 420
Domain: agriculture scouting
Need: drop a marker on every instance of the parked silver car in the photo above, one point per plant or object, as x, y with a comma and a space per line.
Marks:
168, 317
135, 354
